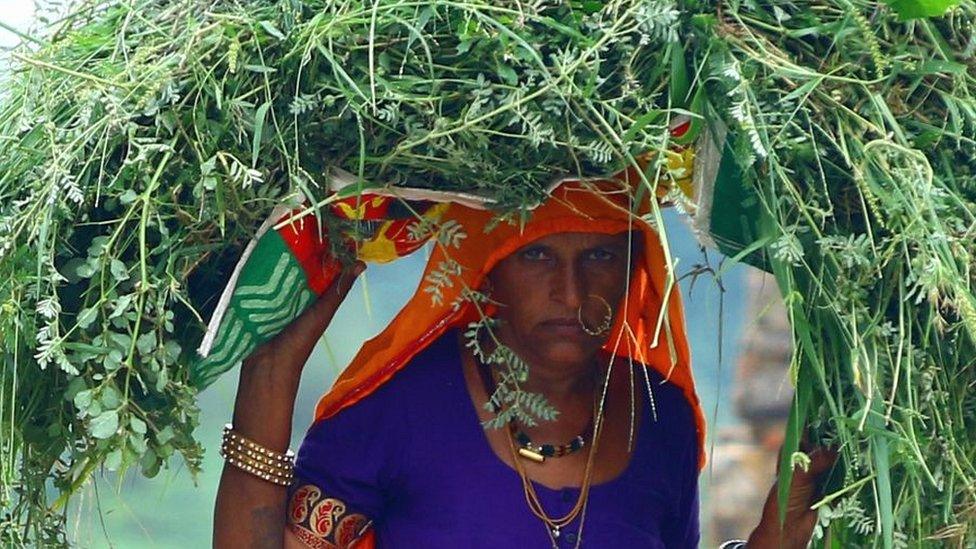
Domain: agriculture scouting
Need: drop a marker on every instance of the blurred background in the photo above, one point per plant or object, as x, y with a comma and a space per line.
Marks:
740, 345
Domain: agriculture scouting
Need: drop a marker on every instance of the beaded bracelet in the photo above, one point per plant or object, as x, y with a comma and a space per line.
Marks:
257, 457
236, 453
249, 456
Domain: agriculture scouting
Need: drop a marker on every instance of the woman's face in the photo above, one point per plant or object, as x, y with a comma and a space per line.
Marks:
545, 287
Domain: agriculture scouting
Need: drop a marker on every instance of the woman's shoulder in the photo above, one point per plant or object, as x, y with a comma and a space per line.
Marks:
417, 383
666, 404
381, 424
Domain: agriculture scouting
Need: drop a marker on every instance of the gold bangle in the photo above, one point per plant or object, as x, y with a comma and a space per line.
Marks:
242, 450
230, 433
276, 476
251, 457
281, 481
236, 453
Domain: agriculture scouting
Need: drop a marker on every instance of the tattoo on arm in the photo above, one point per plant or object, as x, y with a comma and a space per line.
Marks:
266, 523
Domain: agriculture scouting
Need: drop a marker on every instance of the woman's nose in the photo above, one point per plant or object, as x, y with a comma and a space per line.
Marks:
569, 287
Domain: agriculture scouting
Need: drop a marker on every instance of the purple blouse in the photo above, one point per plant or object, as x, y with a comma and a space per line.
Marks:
414, 459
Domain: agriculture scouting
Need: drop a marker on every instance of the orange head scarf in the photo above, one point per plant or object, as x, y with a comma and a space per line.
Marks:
641, 331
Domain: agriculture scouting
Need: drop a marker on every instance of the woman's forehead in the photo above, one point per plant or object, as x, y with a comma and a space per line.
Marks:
582, 239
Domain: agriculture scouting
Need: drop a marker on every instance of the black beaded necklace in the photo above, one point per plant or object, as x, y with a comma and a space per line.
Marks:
528, 449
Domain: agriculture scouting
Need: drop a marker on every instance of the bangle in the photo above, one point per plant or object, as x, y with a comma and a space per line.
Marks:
249, 456
231, 434
733, 544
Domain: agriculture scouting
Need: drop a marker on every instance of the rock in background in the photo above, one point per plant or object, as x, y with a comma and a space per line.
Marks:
744, 459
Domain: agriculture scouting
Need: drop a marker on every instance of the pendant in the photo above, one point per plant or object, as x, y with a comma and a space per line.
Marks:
555, 532
531, 455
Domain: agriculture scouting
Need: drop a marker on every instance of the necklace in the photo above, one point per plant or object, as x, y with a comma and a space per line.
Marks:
527, 448
539, 452
554, 526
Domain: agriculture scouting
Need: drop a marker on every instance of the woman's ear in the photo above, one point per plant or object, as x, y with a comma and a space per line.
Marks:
486, 287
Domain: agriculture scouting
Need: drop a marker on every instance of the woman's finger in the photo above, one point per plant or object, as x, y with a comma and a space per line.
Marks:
305, 330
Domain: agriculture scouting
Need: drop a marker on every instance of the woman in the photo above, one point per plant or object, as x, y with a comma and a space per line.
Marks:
397, 455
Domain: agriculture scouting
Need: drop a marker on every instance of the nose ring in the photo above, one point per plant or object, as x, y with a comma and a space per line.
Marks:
603, 328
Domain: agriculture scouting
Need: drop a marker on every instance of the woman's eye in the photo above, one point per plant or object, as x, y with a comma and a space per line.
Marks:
601, 255
535, 254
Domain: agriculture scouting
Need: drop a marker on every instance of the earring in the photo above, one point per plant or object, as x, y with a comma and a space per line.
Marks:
603, 328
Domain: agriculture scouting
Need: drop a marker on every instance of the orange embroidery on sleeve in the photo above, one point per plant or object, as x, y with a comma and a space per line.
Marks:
303, 498
349, 529
322, 524
325, 514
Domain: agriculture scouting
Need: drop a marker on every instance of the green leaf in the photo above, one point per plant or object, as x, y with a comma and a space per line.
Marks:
507, 74
138, 425
86, 317
882, 466
83, 399
122, 305
679, 82
698, 106
565, 29
120, 341
172, 350
138, 443
260, 69
105, 424
94, 409
119, 271
165, 435
71, 268
75, 386
114, 460
150, 463
114, 360
639, 124
97, 246
259, 118
271, 29
207, 167
110, 398
128, 197
146, 343
162, 378
165, 451
915, 9
940, 66
85, 269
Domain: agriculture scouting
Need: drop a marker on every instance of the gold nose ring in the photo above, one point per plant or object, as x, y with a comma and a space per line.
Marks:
603, 328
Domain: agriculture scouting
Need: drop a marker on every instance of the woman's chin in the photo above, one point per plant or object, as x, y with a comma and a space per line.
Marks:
566, 352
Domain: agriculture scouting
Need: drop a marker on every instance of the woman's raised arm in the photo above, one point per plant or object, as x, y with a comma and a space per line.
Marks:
249, 511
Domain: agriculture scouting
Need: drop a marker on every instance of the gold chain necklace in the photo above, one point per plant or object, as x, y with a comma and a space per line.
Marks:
555, 525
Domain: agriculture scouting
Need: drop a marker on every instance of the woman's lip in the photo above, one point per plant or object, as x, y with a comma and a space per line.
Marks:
563, 327
562, 322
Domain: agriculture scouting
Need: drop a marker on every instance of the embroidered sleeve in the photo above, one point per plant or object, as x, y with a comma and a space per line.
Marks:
347, 471
320, 521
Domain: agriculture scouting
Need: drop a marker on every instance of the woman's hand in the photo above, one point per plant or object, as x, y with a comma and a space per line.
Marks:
250, 512
289, 350
800, 519
271, 374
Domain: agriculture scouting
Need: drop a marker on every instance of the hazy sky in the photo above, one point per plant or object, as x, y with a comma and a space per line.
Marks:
17, 14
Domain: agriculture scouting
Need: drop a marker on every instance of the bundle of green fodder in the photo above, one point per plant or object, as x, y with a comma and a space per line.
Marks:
859, 128
142, 143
